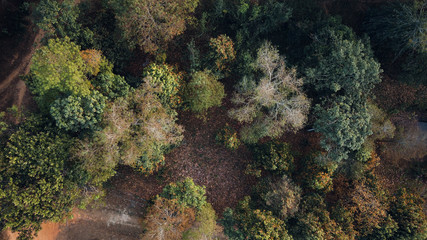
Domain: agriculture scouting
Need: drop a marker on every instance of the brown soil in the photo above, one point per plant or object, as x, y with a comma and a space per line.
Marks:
15, 62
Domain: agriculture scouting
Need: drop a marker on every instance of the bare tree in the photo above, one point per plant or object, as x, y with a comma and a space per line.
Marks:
275, 104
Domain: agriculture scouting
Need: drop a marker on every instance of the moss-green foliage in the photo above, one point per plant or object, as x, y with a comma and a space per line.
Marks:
186, 192
274, 156
57, 70
60, 19
35, 185
78, 113
167, 80
255, 224
111, 85
204, 91
342, 75
205, 225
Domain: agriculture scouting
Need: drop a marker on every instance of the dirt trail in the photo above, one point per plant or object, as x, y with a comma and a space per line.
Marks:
14, 62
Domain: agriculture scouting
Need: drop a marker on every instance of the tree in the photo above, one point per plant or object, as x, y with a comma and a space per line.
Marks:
342, 75
282, 197
274, 156
186, 192
169, 82
35, 185
138, 131
167, 219
151, 24
78, 113
60, 19
204, 91
407, 210
205, 225
254, 224
276, 104
57, 70
398, 26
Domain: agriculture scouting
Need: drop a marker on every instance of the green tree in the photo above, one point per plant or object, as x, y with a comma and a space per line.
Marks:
254, 224
60, 19
342, 75
169, 82
151, 24
274, 156
205, 225
186, 192
57, 70
276, 104
204, 91
78, 113
35, 185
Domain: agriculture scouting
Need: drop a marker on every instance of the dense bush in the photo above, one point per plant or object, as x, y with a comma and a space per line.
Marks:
227, 136
203, 92
186, 192
274, 156
205, 225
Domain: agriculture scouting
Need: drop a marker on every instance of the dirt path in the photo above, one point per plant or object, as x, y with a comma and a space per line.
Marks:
14, 62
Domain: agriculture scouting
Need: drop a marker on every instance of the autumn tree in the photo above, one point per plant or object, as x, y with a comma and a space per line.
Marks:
274, 156
151, 24
167, 219
275, 103
222, 52
205, 226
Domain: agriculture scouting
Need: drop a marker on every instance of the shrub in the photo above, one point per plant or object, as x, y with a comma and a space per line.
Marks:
227, 136
204, 91
186, 192
274, 156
